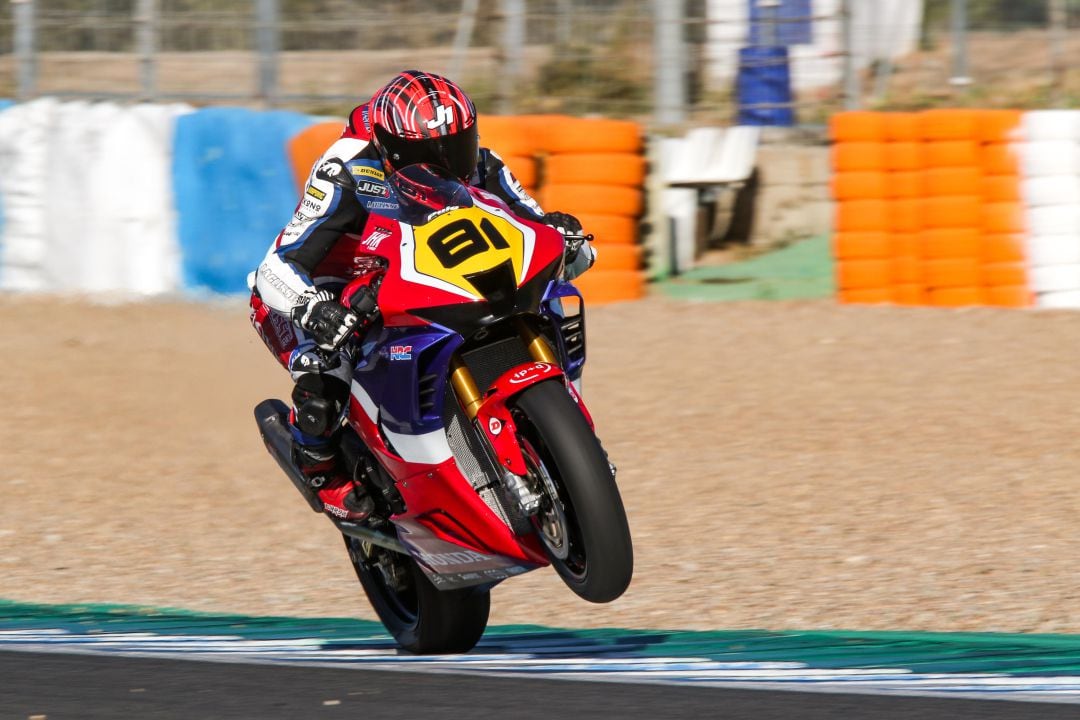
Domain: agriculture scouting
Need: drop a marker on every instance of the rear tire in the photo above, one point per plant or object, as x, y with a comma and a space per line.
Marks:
581, 524
421, 618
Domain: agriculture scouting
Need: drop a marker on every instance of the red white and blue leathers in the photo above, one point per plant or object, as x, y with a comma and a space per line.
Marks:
346, 184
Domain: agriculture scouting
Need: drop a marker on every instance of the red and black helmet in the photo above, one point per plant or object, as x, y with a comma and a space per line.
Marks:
424, 118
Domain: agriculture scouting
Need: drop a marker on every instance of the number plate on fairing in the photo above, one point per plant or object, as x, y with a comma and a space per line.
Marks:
465, 241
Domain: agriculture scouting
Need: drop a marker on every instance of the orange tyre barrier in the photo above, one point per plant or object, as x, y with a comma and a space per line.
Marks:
951, 153
507, 135
956, 297
605, 286
953, 212
1004, 274
859, 157
600, 199
906, 270
866, 295
952, 273
999, 126
902, 127
610, 229
905, 216
909, 294
945, 243
1002, 249
860, 245
617, 257
906, 184
1003, 218
949, 124
863, 274
953, 181
859, 185
583, 135
1016, 296
905, 244
904, 156
862, 216
308, 145
524, 169
596, 168
1000, 188
998, 159
857, 126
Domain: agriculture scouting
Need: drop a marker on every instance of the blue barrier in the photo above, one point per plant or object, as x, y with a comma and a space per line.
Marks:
234, 191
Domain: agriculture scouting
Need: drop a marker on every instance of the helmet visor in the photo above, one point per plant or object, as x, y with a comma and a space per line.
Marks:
457, 153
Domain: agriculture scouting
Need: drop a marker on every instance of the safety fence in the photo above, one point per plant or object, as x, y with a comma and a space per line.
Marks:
958, 207
152, 199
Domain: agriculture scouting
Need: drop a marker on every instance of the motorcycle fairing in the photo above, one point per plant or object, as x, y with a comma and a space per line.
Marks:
494, 418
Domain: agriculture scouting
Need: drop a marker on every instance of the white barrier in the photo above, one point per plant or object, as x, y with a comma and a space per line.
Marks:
87, 195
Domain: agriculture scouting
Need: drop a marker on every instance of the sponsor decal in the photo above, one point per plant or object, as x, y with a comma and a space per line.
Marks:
444, 115
279, 284
315, 193
495, 425
465, 557
368, 171
372, 189
377, 236
334, 510
310, 205
401, 352
365, 117
525, 375
283, 328
379, 205
331, 168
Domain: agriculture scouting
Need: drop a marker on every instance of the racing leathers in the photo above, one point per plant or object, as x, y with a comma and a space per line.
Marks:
302, 270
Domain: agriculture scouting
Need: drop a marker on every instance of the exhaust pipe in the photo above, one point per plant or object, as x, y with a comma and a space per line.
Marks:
272, 416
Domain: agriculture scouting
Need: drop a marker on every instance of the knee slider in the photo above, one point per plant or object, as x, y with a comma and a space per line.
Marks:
319, 401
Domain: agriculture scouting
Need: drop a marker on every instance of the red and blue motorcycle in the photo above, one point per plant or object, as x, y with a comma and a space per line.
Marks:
465, 421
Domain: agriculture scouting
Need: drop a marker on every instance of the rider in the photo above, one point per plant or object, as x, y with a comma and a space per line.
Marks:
417, 117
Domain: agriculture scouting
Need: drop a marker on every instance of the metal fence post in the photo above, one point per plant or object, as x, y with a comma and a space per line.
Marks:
25, 48
1058, 20
669, 91
146, 21
960, 76
267, 45
513, 42
851, 71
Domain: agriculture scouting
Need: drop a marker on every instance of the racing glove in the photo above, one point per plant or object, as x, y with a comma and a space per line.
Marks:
580, 255
327, 321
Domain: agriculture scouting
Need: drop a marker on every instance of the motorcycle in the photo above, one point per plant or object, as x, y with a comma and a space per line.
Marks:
465, 423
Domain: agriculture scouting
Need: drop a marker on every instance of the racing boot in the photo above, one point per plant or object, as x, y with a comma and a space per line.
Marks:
341, 497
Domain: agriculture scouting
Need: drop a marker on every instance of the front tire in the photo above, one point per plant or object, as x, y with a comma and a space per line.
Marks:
581, 524
423, 619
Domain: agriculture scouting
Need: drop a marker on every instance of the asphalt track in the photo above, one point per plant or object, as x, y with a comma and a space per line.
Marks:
58, 686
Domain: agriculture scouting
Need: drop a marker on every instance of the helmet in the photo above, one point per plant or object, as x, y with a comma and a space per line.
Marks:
424, 118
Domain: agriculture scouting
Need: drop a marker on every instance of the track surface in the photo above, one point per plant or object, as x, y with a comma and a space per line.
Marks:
70, 686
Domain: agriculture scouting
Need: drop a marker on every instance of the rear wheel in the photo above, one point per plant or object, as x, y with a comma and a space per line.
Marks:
581, 522
422, 618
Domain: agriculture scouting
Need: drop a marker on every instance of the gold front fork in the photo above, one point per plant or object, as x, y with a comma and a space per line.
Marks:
464, 384
537, 344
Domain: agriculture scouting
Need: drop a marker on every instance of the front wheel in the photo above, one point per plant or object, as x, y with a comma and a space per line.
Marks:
422, 618
581, 522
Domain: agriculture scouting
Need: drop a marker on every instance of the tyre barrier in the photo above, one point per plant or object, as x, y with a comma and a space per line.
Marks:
205, 191
962, 206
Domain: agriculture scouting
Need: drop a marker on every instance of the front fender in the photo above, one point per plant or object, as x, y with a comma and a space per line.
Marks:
494, 416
